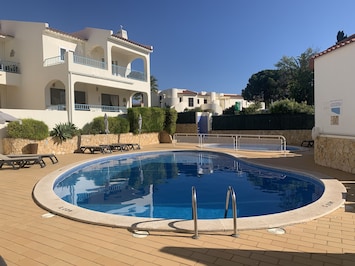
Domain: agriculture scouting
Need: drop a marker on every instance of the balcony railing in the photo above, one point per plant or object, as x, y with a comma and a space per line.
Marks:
127, 73
9, 66
89, 62
91, 107
53, 61
86, 61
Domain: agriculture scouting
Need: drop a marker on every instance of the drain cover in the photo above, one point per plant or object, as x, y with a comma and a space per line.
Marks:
48, 215
276, 231
140, 234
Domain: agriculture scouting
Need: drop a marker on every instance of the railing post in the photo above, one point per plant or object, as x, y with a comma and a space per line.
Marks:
194, 212
230, 191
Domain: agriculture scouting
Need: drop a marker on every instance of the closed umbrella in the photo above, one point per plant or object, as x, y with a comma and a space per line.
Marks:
106, 124
7, 118
140, 123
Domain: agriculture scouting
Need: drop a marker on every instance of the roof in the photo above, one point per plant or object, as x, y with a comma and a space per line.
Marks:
135, 43
113, 35
188, 92
338, 45
66, 34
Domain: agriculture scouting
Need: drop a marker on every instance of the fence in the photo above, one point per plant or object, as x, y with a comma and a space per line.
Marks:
233, 141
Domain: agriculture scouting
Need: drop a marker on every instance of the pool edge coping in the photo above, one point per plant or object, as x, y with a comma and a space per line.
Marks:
332, 198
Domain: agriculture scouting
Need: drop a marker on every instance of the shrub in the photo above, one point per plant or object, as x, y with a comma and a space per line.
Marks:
152, 119
116, 125
28, 129
170, 121
290, 107
64, 131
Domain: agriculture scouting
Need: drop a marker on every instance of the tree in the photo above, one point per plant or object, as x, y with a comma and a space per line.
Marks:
341, 36
154, 84
298, 76
264, 86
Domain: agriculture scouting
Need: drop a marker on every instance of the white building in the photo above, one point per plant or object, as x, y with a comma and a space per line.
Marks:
334, 85
182, 100
53, 76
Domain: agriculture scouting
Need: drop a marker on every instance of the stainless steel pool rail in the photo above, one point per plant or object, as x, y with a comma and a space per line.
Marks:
230, 195
230, 192
235, 140
194, 212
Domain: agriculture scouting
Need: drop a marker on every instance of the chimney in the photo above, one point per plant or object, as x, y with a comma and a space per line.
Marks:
122, 33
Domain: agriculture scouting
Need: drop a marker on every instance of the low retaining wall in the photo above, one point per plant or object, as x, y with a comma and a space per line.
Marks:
335, 152
51, 145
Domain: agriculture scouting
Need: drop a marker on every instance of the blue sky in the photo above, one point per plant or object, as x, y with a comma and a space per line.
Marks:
203, 45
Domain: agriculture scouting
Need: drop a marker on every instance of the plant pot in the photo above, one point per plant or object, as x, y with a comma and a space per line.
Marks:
33, 148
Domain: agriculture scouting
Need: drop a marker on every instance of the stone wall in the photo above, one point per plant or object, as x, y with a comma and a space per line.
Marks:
51, 145
186, 128
293, 137
335, 152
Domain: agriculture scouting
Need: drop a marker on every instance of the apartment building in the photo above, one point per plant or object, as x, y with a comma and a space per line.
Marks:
54, 76
334, 130
183, 99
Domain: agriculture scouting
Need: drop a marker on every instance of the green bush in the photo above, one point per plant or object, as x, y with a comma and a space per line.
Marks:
290, 107
153, 119
28, 129
170, 120
64, 131
116, 125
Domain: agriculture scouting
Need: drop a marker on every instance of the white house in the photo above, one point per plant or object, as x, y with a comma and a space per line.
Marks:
53, 76
334, 131
183, 99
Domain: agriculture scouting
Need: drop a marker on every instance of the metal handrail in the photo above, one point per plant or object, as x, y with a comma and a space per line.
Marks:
194, 212
230, 192
234, 139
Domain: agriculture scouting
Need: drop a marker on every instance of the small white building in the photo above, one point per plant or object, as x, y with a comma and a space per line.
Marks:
56, 77
334, 86
183, 99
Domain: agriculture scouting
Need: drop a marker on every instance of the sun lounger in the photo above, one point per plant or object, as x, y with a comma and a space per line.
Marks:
307, 143
20, 162
93, 149
51, 156
132, 146
119, 147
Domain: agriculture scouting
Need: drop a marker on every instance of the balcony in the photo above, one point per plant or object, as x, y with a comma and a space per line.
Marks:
91, 107
9, 66
117, 70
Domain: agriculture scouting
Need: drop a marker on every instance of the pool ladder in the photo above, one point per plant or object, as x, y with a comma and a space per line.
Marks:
230, 193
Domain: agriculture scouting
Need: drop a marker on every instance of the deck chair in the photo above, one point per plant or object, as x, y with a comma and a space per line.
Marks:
20, 162
51, 156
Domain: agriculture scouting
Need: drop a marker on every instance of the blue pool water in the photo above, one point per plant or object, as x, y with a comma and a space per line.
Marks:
158, 185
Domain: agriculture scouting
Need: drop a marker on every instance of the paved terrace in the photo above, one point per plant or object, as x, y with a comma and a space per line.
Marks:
28, 238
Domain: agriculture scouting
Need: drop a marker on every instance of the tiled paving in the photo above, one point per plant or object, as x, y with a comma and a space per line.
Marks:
26, 238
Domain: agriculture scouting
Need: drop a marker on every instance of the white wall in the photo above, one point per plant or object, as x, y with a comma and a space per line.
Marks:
335, 91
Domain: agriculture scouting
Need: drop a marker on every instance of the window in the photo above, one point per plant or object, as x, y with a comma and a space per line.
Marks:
57, 96
205, 101
109, 100
62, 53
180, 99
80, 97
198, 101
191, 102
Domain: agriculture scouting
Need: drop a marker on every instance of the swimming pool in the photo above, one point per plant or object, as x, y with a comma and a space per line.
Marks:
44, 196
158, 185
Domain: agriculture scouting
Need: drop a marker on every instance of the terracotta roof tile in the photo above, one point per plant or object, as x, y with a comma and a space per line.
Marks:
338, 45
113, 35
141, 45
188, 92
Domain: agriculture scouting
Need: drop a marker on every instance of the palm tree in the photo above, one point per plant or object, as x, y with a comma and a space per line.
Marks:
153, 84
